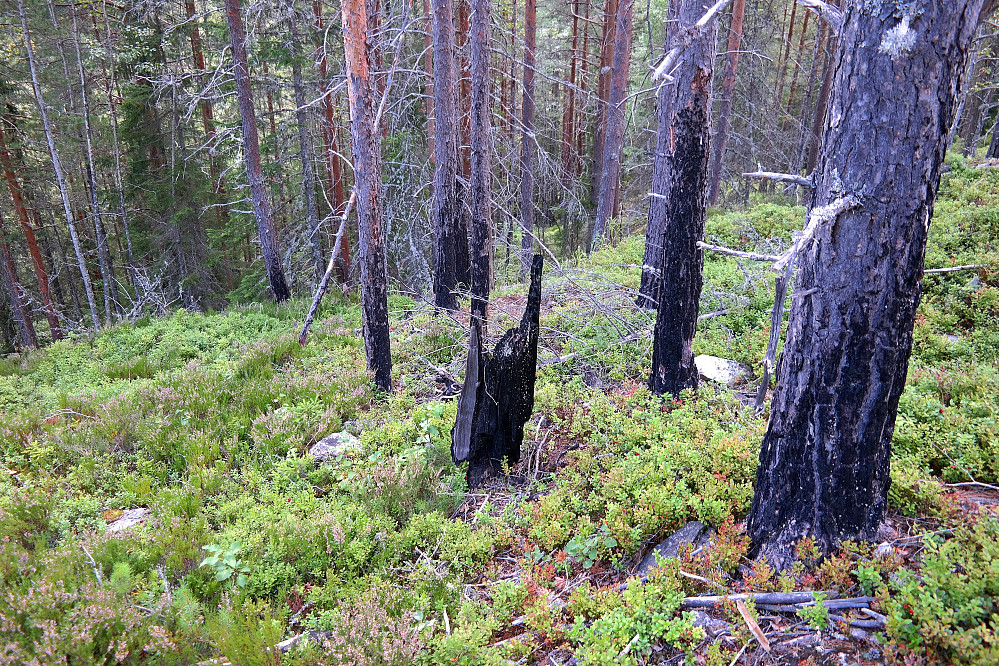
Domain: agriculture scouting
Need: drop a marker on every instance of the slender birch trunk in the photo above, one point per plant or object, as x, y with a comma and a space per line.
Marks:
57, 166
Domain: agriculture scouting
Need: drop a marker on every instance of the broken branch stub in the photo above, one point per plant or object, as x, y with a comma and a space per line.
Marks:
497, 397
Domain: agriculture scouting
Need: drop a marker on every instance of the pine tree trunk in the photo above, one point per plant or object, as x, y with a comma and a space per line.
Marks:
111, 303
481, 159
17, 196
305, 147
569, 110
451, 262
251, 151
819, 117
610, 171
116, 147
527, 139
329, 125
824, 462
367, 183
678, 207
604, 71
18, 309
57, 167
782, 65
725, 107
428, 89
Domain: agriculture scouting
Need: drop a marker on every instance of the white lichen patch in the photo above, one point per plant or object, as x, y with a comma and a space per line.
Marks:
899, 40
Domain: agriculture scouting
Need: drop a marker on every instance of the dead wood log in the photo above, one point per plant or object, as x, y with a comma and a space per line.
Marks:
497, 397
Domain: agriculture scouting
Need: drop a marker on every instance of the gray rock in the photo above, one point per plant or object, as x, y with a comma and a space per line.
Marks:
129, 519
721, 370
332, 446
693, 533
711, 626
952, 339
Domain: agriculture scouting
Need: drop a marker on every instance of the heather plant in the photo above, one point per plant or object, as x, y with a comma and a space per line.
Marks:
375, 629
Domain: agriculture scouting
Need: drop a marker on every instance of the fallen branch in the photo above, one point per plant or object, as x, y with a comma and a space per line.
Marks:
775, 598
972, 484
687, 38
752, 624
782, 177
954, 269
752, 256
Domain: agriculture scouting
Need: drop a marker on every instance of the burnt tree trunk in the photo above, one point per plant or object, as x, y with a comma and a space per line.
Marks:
527, 139
497, 397
670, 170
368, 185
480, 177
610, 170
725, 108
251, 152
451, 262
824, 462
993, 150
679, 205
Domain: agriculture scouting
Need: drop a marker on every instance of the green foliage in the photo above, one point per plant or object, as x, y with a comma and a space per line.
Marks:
816, 614
950, 607
225, 563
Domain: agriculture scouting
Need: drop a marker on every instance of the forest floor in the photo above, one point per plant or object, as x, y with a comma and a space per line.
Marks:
199, 425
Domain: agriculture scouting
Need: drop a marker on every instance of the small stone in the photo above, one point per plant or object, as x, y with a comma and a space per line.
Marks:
711, 626
721, 370
129, 518
952, 339
332, 446
689, 534
884, 551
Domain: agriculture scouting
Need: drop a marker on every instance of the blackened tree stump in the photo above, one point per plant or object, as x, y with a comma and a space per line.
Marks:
497, 397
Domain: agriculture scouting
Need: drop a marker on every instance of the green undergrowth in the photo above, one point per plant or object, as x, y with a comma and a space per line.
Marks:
205, 419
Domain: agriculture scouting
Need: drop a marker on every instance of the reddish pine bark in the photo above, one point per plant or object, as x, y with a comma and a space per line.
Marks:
604, 70
366, 147
41, 275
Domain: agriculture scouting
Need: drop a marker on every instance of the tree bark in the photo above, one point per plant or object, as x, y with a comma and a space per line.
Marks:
824, 462
368, 184
334, 171
305, 146
481, 162
604, 73
116, 148
111, 303
677, 215
725, 108
451, 262
251, 151
527, 139
610, 170
17, 196
18, 308
569, 110
57, 167
428, 66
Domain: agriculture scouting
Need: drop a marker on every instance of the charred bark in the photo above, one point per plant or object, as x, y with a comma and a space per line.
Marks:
481, 163
679, 206
497, 397
251, 151
451, 262
368, 184
824, 462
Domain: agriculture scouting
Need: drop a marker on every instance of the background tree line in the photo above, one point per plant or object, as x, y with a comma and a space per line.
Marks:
152, 202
